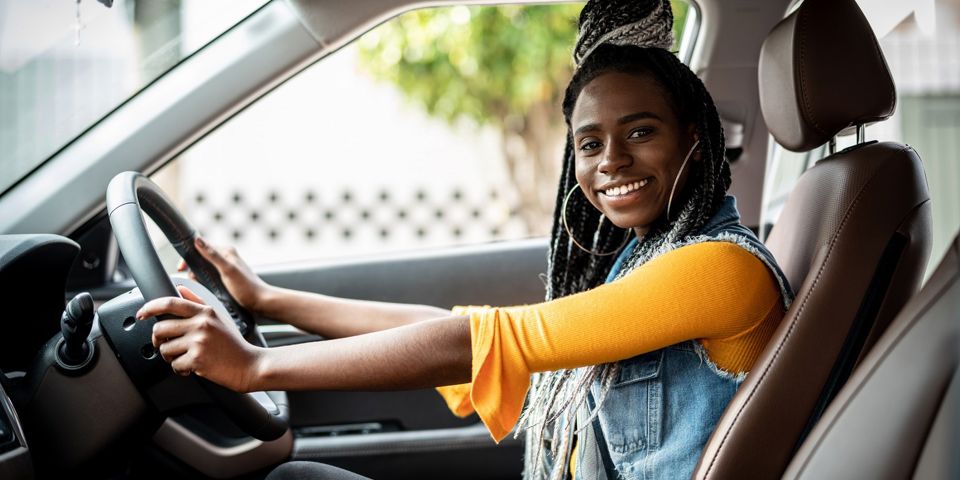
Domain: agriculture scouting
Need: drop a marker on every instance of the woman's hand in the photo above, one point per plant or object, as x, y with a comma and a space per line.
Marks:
246, 287
203, 343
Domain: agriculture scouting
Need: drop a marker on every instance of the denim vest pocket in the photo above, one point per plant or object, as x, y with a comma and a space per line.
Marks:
632, 412
639, 368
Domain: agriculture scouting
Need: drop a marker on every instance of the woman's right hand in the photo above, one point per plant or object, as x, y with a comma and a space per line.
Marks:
246, 287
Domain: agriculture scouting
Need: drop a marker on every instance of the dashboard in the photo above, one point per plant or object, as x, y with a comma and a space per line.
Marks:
33, 273
93, 416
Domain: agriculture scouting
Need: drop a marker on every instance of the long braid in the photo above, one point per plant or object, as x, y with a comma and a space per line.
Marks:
556, 396
571, 270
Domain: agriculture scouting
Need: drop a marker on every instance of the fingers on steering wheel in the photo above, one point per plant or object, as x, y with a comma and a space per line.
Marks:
207, 251
170, 305
188, 294
221, 258
170, 350
184, 364
166, 330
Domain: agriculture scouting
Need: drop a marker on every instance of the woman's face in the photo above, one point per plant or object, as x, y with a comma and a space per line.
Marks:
629, 146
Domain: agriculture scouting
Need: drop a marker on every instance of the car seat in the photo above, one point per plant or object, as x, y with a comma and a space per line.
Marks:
853, 237
897, 415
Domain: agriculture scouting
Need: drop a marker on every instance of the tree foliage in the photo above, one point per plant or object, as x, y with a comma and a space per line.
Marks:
483, 62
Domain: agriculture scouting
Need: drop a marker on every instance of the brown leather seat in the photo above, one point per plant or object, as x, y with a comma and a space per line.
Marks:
897, 416
853, 238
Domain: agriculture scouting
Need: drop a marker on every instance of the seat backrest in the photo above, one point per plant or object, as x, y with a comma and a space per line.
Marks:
897, 416
853, 237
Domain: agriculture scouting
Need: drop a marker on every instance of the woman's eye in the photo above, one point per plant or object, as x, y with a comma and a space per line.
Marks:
589, 145
640, 132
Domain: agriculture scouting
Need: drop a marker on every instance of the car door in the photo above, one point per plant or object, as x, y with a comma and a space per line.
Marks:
410, 433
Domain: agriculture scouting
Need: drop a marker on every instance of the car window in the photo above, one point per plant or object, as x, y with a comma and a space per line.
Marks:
64, 65
440, 127
921, 43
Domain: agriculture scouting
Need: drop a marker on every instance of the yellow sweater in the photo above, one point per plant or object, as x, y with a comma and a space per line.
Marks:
714, 292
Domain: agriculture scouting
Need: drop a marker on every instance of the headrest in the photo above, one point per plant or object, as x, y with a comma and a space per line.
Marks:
821, 71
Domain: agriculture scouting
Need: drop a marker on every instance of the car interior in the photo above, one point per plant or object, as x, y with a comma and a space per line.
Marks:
860, 380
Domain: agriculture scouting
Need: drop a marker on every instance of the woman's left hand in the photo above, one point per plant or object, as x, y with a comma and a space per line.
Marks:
201, 342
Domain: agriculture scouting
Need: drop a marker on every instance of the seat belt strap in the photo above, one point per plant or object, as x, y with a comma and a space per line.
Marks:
590, 461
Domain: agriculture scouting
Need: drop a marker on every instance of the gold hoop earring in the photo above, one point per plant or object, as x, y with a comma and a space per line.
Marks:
563, 218
677, 179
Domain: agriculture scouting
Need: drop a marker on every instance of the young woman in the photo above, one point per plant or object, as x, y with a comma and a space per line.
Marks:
658, 300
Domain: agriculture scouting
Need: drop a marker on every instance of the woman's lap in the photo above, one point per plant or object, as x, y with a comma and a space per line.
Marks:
311, 471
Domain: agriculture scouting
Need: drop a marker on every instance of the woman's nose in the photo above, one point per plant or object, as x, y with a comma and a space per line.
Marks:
614, 158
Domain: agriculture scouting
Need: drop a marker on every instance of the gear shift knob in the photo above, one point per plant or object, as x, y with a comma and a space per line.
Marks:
74, 351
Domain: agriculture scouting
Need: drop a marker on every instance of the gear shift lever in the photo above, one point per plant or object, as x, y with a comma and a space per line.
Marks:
73, 350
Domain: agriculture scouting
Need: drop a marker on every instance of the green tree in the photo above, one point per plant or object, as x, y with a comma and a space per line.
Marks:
501, 66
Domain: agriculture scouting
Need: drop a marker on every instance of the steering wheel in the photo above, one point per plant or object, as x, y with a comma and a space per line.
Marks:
256, 414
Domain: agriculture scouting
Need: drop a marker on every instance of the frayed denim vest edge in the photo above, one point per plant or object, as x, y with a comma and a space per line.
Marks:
664, 405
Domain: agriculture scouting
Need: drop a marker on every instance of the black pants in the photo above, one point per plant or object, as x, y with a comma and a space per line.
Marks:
311, 471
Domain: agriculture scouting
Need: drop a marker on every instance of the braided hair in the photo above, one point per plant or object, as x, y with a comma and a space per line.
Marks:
556, 396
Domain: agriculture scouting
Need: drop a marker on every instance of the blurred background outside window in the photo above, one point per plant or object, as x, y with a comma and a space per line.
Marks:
440, 127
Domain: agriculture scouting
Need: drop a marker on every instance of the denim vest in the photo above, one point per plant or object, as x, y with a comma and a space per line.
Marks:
660, 412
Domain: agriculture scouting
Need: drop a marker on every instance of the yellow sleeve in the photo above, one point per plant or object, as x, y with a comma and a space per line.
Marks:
713, 290
457, 397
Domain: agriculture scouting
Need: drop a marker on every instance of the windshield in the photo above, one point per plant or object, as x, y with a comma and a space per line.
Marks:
65, 64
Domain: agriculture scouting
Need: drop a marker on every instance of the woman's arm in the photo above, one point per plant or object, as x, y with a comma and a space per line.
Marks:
717, 293
326, 316
420, 355
423, 354
333, 317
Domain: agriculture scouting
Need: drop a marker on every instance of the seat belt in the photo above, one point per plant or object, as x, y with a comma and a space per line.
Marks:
590, 464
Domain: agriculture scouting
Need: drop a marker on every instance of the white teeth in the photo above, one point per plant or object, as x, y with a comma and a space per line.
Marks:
625, 189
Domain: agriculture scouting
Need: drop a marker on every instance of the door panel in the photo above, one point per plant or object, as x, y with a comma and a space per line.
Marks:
409, 434
503, 273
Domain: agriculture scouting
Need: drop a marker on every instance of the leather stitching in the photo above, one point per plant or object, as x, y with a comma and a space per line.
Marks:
796, 320
868, 374
804, 97
893, 91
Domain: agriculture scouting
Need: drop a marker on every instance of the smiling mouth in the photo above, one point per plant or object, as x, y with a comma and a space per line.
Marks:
626, 189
